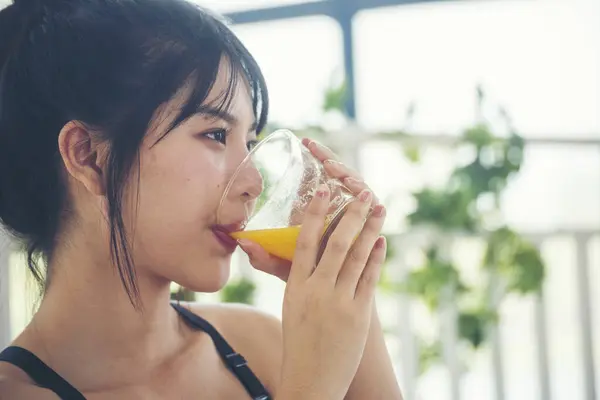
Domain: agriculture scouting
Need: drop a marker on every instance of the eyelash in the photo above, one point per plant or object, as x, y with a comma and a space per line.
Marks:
220, 135
251, 144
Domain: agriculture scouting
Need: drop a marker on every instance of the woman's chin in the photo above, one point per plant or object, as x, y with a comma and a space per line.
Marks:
210, 282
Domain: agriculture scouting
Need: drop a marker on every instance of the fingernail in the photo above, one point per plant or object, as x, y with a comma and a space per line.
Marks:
332, 162
365, 196
322, 191
244, 242
352, 181
380, 243
379, 210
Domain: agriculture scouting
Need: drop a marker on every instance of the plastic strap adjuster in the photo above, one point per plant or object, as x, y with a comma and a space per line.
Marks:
236, 360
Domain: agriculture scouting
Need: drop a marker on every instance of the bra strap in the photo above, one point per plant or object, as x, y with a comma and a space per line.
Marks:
40, 373
234, 361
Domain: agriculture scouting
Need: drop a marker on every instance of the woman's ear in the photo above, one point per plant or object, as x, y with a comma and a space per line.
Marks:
83, 156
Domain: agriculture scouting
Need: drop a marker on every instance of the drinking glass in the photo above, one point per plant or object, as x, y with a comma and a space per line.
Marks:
266, 198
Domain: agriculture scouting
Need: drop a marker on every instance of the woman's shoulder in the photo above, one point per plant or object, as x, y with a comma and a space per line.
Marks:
243, 325
13, 387
232, 315
255, 334
220, 308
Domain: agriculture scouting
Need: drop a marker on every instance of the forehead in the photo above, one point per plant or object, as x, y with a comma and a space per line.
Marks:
230, 92
231, 88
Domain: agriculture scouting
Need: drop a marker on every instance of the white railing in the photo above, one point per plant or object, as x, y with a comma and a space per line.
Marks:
408, 355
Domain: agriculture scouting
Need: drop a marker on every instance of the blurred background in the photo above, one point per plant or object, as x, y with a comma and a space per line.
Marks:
477, 123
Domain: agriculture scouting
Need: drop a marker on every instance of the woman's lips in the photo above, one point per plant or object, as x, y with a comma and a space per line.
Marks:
225, 240
222, 233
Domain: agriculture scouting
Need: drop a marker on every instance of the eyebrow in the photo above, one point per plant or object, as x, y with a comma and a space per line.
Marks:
224, 115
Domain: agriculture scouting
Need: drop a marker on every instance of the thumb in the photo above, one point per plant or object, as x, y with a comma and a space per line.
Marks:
265, 262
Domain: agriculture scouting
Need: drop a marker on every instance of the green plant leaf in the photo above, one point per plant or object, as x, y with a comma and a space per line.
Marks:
335, 98
429, 281
516, 260
239, 291
429, 355
473, 325
448, 209
412, 151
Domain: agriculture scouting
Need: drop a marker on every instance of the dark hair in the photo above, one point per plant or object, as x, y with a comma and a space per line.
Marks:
108, 64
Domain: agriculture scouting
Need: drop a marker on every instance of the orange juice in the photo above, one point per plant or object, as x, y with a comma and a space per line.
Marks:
280, 242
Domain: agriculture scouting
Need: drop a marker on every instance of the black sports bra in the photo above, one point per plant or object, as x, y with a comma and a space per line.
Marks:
46, 377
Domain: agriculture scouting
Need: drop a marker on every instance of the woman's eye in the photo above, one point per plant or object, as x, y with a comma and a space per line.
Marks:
251, 144
218, 135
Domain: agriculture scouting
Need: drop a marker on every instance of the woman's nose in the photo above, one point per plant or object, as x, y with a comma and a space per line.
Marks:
249, 182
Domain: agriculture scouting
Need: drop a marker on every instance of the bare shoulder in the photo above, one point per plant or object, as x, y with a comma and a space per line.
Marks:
15, 388
255, 334
245, 327
240, 320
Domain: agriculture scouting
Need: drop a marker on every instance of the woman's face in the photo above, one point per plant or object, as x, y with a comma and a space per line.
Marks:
181, 180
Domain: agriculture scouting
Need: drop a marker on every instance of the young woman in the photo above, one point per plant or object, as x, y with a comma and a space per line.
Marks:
121, 121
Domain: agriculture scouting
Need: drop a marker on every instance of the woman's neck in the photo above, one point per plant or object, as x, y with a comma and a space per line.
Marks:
87, 323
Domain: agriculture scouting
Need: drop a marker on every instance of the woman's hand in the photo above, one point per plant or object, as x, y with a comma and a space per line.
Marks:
327, 307
270, 264
349, 177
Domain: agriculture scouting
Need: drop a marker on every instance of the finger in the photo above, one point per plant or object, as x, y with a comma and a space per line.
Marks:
339, 170
367, 285
265, 262
341, 239
359, 254
307, 247
336, 169
349, 177
320, 151
356, 186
